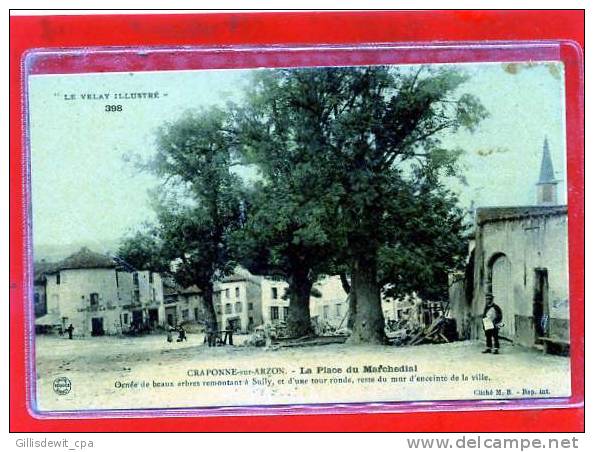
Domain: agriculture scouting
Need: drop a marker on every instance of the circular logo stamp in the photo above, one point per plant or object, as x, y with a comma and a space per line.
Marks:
62, 385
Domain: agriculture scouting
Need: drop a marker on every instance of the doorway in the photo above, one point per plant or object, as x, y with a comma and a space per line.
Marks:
540, 307
500, 284
97, 326
137, 320
153, 317
171, 315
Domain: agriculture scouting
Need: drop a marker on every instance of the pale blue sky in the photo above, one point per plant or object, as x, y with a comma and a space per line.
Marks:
83, 193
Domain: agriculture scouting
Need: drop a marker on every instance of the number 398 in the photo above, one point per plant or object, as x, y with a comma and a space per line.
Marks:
112, 108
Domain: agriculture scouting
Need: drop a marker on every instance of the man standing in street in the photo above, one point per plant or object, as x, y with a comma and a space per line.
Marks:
70, 330
492, 318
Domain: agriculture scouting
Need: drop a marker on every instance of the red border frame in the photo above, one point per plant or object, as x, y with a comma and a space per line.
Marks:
287, 28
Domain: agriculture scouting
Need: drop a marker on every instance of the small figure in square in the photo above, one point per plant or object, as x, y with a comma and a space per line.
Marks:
181, 334
492, 318
211, 334
70, 330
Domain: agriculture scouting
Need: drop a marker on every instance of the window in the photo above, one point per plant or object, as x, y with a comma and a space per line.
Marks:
135, 278
274, 293
196, 314
227, 295
238, 307
94, 300
326, 311
339, 309
228, 308
237, 292
285, 312
151, 277
126, 319
250, 306
274, 312
185, 314
58, 278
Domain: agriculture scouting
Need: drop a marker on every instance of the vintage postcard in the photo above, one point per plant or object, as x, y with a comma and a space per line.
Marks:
317, 235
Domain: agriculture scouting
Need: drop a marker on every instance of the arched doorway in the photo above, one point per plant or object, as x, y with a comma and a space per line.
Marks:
499, 284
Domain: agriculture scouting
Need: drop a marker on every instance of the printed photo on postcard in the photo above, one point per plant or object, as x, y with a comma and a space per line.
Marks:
319, 235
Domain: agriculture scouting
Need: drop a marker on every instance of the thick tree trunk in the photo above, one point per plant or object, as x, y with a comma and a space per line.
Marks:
368, 324
210, 317
351, 298
299, 321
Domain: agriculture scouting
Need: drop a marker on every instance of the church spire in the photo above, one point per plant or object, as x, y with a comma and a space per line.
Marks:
547, 174
546, 187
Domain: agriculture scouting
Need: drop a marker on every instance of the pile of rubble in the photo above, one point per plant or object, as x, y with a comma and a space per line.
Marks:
276, 336
257, 339
322, 327
441, 330
407, 331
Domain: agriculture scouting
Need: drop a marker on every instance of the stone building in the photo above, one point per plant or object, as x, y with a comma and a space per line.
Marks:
275, 303
141, 297
331, 304
520, 256
82, 290
182, 305
244, 301
191, 304
521, 259
39, 293
238, 301
93, 293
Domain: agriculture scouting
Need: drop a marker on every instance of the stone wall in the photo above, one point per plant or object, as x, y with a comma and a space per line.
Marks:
529, 245
460, 309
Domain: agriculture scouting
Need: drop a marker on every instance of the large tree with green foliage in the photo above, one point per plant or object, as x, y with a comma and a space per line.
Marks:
142, 250
291, 208
389, 138
198, 205
428, 242
424, 241
368, 133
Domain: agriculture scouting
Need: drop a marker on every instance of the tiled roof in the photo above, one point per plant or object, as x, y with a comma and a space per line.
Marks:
168, 290
489, 214
48, 320
190, 290
40, 269
234, 278
85, 258
171, 288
